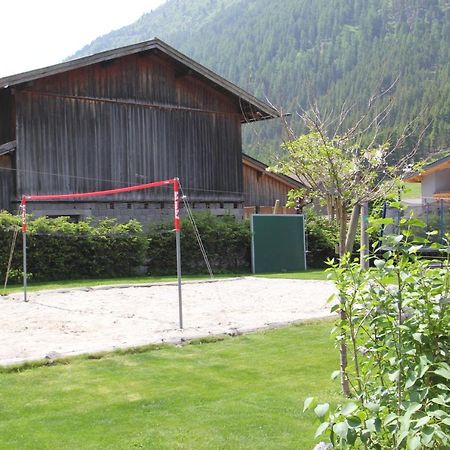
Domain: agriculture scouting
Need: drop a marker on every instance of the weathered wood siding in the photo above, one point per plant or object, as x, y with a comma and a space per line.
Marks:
7, 117
6, 182
7, 134
134, 120
260, 189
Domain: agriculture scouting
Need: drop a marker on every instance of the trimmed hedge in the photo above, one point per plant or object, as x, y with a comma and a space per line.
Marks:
59, 249
226, 240
228, 244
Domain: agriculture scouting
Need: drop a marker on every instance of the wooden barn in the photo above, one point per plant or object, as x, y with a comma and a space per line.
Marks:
262, 188
127, 116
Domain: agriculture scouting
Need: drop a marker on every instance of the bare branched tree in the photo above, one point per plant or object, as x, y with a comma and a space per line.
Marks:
347, 168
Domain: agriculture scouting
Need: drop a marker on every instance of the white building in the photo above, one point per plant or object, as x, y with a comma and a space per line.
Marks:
435, 180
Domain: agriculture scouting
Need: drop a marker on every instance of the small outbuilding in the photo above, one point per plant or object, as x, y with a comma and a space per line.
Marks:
262, 189
434, 205
434, 179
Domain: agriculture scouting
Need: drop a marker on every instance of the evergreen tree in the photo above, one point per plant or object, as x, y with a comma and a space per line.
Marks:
333, 51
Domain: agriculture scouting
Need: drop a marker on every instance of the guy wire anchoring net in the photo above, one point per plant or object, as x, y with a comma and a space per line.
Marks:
196, 232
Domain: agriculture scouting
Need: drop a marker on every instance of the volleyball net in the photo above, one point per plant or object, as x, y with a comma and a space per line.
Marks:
173, 182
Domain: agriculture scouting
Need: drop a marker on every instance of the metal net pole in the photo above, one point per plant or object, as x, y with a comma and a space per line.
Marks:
177, 225
24, 247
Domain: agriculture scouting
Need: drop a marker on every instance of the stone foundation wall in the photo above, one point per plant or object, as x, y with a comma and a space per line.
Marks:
144, 212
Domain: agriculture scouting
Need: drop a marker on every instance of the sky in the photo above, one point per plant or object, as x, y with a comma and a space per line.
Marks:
39, 33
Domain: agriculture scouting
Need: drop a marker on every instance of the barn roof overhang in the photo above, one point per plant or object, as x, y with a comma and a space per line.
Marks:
252, 109
9, 147
262, 168
436, 166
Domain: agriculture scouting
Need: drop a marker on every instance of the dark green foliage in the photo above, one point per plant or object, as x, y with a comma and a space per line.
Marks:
59, 249
322, 238
335, 51
226, 240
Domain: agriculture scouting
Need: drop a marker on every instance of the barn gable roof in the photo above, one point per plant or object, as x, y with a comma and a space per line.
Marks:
252, 108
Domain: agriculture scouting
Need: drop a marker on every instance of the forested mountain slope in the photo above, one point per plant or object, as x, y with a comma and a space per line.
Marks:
332, 51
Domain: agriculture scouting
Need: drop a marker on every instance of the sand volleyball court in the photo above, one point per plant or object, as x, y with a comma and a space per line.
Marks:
84, 320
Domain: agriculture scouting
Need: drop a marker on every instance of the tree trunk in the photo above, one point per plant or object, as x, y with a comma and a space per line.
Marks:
342, 217
342, 220
343, 362
351, 233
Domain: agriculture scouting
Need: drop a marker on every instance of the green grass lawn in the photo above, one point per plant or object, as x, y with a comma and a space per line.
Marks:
245, 392
310, 274
412, 191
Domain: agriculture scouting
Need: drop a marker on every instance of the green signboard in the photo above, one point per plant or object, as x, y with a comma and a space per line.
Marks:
278, 243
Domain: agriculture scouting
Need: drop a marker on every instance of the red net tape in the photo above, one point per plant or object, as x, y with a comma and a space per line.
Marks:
174, 182
100, 193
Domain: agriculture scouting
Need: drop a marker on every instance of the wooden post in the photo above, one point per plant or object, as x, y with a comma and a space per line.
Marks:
275, 208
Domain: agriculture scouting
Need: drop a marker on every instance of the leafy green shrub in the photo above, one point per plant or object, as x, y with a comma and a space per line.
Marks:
322, 237
396, 327
226, 240
60, 249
